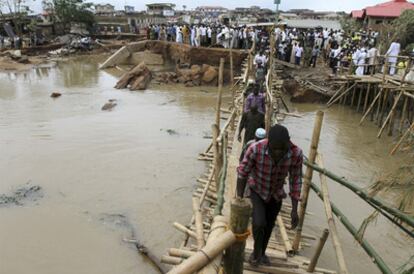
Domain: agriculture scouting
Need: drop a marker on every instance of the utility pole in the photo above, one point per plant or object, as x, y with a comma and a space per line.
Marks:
277, 3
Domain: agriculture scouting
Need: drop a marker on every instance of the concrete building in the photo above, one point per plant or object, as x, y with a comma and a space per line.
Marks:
211, 9
129, 9
161, 9
102, 9
375, 16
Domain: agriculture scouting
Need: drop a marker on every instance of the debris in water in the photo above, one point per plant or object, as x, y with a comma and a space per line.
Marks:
21, 195
55, 94
171, 131
109, 105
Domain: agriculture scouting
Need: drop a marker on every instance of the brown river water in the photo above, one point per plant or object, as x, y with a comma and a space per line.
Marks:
106, 176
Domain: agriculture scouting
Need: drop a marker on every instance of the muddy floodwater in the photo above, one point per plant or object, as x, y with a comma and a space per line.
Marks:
129, 173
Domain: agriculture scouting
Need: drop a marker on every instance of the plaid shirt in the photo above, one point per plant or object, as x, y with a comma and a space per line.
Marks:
267, 178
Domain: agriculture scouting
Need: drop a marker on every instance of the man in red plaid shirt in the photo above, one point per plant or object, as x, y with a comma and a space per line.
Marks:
265, 167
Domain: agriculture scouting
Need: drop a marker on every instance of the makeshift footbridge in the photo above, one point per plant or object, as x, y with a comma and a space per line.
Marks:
217, 238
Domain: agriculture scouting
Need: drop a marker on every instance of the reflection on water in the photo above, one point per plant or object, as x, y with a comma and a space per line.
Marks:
124, 163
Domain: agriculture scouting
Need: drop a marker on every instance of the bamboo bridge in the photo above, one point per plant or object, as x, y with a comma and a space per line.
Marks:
217, 238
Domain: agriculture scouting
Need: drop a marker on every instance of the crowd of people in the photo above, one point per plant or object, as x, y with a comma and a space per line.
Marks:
356, 51
206, 35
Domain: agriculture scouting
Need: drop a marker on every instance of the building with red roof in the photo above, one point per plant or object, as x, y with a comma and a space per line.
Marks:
382, 13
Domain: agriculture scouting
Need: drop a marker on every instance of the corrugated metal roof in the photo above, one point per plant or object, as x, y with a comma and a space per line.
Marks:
313, 23
389, 9
357, 13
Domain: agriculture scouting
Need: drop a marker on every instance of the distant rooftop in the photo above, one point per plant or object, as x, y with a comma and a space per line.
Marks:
391, 9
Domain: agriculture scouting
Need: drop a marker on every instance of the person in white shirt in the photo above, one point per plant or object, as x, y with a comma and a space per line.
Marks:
298, 54
203, 33
260, 58
372, 53
392, 54
192, 36
198, 36
209, 31
361, 62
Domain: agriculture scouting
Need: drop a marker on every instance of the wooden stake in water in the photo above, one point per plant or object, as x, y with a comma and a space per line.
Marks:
308, 177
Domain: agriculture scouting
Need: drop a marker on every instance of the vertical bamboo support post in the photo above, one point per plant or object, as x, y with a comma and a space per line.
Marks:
353, 95
198, 217
366, 98
403, 114
220, 92
331, 221
359, 98
377, 97
308, 178
371, 117
390, 115
217, 160
231, 67
240, 213
321, 244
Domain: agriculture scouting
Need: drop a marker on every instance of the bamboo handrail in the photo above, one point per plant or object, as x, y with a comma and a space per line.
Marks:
321, 244
348, 225
363, 194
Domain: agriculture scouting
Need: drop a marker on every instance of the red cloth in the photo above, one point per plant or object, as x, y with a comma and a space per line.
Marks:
267, 178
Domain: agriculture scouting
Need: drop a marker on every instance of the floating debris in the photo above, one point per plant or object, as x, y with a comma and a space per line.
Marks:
22, 195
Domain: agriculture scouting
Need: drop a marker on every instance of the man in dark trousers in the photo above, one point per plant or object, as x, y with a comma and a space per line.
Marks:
264, 168
251, 121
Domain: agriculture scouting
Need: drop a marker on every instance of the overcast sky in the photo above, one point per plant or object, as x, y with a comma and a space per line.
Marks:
319, 5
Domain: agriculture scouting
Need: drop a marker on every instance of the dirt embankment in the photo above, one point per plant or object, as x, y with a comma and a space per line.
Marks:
308, 85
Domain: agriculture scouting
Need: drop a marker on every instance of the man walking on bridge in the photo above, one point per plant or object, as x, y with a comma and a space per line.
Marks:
264, 168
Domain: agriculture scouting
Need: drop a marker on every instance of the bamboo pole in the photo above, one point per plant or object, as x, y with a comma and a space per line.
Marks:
376, 259
331, 222
185, 230
353, 95
363, 194
198, 217
218, 227
315, 258
205, 255
284, 235
206, 188
217, 154
308, 177
220, 92
336, 93
223, 174
240, 213
176, 252
403, 114
342, 95
370, 107
402, 139
359, 98
231, 67
366, 98
391, 114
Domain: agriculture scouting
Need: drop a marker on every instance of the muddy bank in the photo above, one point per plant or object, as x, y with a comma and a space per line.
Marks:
176, 53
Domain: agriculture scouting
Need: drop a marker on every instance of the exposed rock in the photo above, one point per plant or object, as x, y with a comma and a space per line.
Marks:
55, 94
209, 75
